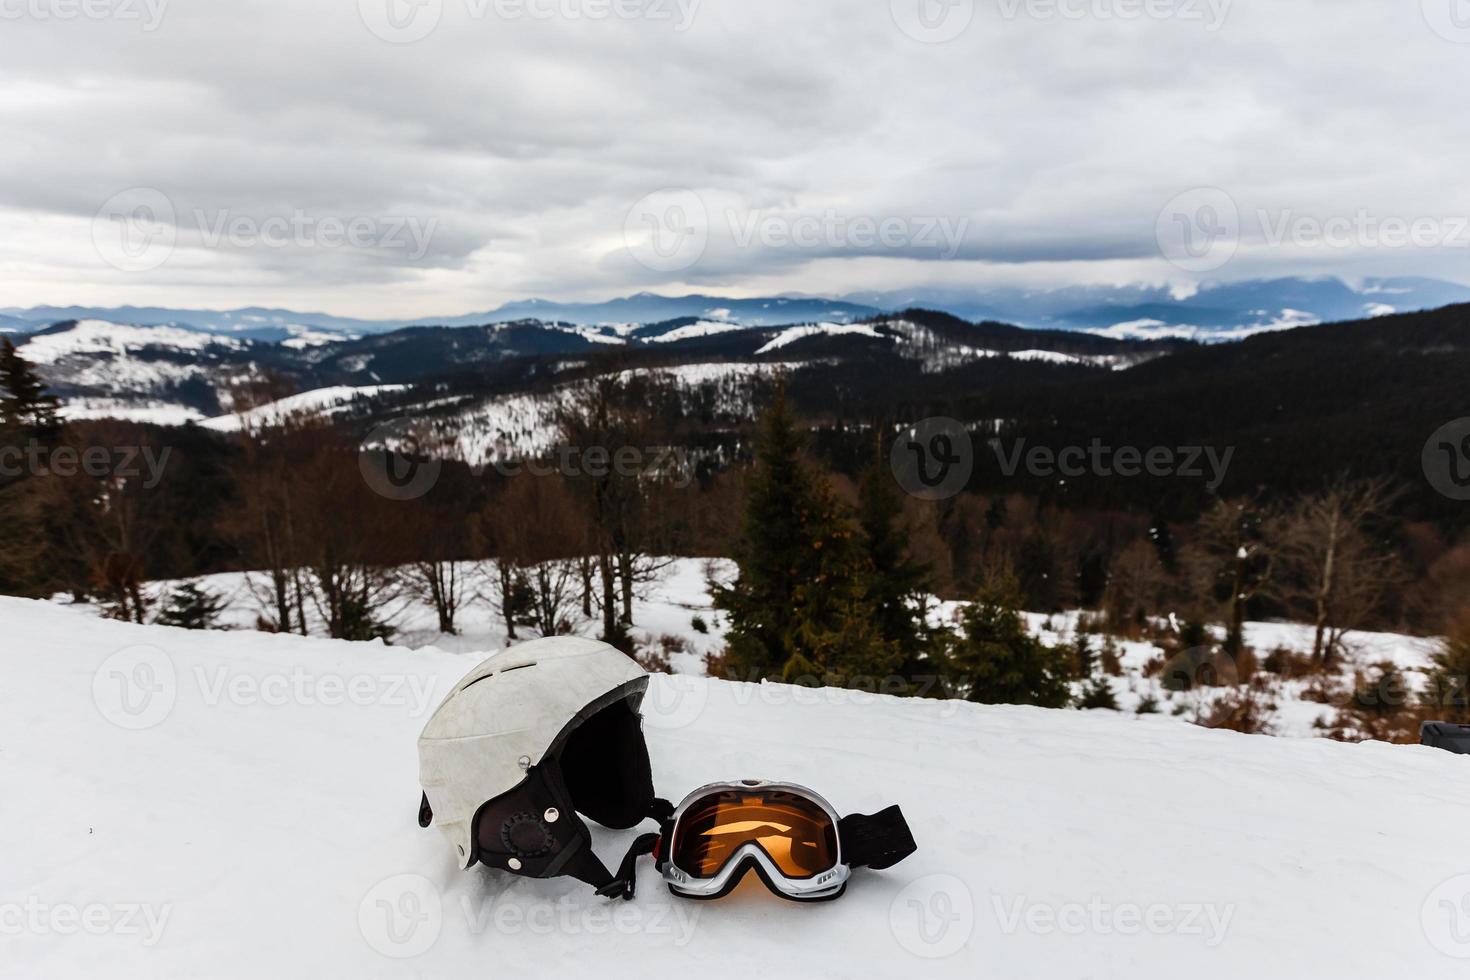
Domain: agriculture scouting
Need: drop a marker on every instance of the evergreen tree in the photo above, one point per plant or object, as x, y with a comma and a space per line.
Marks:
800, 608
192, 608
898, 587
1005, 663
836, 634
28, 528
774, 554
1098, 695
1036, 571
26, 408
1446, 692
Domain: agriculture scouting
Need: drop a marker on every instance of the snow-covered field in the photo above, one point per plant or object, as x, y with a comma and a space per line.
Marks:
666, 610
240, 804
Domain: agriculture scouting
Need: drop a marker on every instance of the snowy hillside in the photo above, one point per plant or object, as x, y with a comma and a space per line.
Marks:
1144, 680
486, 431
323, 402
243, 805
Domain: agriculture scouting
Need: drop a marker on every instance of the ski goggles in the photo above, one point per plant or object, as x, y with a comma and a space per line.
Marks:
787, 834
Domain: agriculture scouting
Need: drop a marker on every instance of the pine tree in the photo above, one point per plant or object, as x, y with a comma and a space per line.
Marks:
26, 407
898, 587
1446, 691
836, 634
775, 554
192, 608
28, 416
1005, 663
800, 608
1036, 570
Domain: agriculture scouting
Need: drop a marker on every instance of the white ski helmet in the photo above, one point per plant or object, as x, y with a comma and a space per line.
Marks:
526, 741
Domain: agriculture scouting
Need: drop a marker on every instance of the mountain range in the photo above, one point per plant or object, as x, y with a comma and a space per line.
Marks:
1212, 311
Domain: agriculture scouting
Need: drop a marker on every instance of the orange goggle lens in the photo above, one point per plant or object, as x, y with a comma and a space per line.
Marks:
796, 833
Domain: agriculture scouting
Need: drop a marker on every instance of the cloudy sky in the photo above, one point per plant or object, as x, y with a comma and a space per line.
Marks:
413, 157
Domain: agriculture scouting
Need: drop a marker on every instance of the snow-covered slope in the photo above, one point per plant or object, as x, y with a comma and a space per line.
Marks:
243, 805
492, 430
163, 375
319, 402
120, 339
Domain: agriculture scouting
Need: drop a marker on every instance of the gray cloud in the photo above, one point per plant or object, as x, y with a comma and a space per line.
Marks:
1053, 141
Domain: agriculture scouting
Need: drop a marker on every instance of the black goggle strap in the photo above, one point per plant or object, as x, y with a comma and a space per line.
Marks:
876, 841
625, 882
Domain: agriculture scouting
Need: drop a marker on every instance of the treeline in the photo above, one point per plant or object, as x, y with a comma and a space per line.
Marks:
836, 561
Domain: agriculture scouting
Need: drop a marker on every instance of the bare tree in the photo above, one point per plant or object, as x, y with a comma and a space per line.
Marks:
108, 525
1137, 584
603, 427
435, 544
540, 539
1333, 568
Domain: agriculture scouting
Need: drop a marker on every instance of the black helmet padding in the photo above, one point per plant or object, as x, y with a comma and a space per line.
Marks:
605, 766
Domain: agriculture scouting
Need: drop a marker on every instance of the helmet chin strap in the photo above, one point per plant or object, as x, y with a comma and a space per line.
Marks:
588, 868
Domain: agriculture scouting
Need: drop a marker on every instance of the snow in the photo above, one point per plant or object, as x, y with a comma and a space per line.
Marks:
502, 428
792, 334
102, 337
319, 401
303, 336
1267, 322
152, 412
702, 328
243, 805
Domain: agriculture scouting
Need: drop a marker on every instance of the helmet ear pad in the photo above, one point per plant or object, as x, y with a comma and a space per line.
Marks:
514, 827
605, 766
